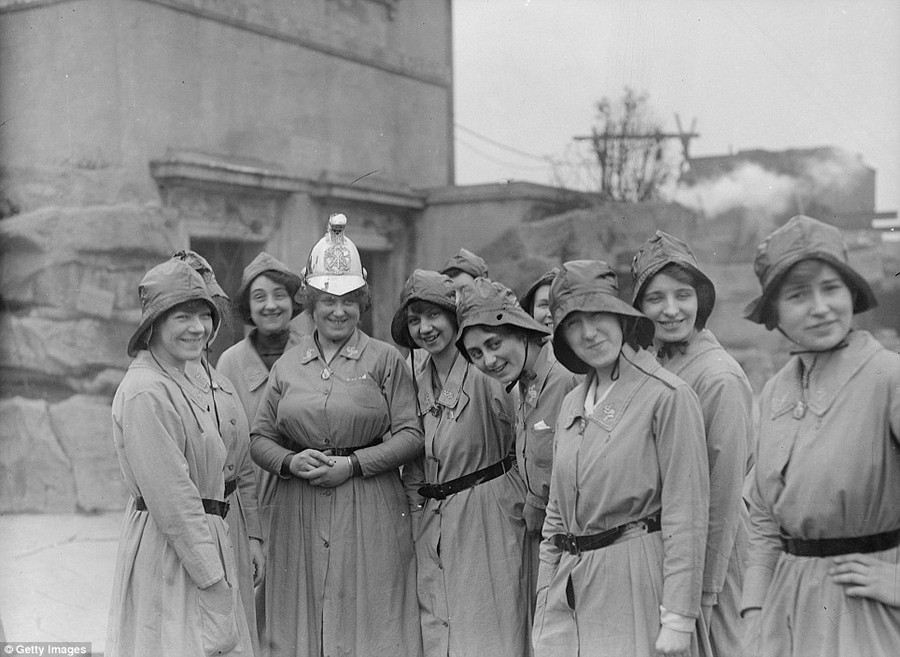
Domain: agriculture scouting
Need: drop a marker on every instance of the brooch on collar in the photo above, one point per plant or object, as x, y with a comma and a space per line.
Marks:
433, 408
352, 352
609, 412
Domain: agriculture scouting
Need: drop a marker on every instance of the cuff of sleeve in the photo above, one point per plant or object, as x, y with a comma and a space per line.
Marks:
756, 584
533, 500
677, 622
709, 599
284, 472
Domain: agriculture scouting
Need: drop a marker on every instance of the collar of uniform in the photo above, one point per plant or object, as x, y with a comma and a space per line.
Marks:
832, 373
542, 367
702, 342
196, 374
452, 395
634, 368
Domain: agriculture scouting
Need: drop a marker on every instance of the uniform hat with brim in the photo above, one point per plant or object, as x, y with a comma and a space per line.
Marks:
468, 262
546, 278
334, 265
661, 250
165, 286
487, 303
201, 265
266, 263
802, 238
422, 285
591, 286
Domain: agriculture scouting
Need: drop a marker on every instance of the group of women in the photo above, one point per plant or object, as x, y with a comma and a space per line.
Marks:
572, 475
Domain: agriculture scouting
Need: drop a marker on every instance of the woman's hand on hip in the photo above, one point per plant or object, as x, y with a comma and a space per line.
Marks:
866, 576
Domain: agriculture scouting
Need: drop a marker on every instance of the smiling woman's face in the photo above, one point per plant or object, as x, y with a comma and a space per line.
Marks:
499, 354
430, 327
181, 334
270, 305
814, 306
595, 337
335, 317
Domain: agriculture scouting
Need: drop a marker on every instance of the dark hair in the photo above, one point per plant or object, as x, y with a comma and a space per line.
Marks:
804, 271
706, 297
310, 295
420, 306
242, 307
190, 306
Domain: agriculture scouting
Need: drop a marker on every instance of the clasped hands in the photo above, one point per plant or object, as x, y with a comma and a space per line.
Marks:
320, 469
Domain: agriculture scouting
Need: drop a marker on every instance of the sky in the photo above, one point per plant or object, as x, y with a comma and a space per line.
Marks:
768, 74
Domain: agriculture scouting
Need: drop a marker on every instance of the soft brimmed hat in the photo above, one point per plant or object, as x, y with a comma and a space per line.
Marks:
546, 278
590, 286
802, 238
260, 265
487, 303
200, 265
422, 285
164, 287
467, 262
663, 249
334, 265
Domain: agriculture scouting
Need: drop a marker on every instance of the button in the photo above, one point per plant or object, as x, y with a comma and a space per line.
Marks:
326, 543
437, 511
445, 623
233, 421
327, 493
231, 467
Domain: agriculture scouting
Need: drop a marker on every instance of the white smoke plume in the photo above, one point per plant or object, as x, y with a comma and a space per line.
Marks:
748, 186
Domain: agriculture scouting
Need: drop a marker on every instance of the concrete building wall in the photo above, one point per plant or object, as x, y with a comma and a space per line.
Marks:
135, 128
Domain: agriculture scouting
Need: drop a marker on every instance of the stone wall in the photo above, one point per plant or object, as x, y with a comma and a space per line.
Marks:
68, 284
135, 129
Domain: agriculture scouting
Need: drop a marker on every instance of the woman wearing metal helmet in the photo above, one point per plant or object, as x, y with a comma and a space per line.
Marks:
504, 342
173, 592
823, 560
470, 534
622, 556
672, 291
336, 422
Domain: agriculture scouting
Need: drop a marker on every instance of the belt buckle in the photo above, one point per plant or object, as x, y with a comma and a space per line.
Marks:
570, 541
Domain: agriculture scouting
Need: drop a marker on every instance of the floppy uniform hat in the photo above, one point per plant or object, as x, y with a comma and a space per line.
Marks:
590, 286
527, 300
201, 265
334, 265
663, 249
164, 287
260, 265
427, 286
468, 262
802, 238
487, 303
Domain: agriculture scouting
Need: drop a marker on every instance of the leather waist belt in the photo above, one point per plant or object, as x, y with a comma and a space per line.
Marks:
212, 507
830, 547
448, 488
230, 487
347, 451
575, 545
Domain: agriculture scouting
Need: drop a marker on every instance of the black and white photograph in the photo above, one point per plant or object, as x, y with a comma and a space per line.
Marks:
450, 328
